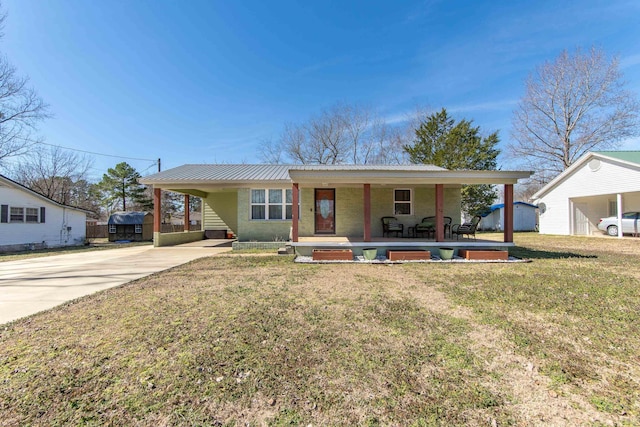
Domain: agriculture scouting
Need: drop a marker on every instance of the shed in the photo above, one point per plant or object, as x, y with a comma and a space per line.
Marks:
133, 226
524, 217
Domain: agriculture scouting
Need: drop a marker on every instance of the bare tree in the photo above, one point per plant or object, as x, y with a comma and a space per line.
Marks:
338, 135
270, 151
57, 174
20, 109
573, 105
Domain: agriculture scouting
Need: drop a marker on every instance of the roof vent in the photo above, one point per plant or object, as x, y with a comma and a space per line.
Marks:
594, 165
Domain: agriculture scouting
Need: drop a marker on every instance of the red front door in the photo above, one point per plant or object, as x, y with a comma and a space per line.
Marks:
325, 211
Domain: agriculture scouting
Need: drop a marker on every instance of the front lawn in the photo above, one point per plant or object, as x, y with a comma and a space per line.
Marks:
260, 340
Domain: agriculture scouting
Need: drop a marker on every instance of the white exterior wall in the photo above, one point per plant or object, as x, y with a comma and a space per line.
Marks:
492, 221
524, 219
580, 187
63, 226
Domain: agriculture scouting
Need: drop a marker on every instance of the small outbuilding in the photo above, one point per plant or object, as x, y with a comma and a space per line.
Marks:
524, 217
132, 226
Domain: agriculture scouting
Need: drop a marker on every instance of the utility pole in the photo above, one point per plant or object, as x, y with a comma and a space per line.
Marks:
159, 164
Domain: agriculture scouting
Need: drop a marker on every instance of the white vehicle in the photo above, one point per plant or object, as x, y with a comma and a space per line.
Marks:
630, 224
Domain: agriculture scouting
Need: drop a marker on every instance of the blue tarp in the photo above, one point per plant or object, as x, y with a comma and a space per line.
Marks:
501, 205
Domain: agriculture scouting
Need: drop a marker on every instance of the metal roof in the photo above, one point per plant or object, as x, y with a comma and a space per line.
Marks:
366, 168
627, 156
218, 172
223, 175
127, 218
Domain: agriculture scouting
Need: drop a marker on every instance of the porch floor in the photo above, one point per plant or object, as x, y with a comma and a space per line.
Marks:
306, 245
342, 241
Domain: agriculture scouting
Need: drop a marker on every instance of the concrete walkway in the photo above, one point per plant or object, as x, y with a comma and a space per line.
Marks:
32, 285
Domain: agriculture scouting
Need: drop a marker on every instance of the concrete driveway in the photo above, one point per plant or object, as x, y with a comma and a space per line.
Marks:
32, 285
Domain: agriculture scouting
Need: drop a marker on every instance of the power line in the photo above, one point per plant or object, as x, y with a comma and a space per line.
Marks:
94, 153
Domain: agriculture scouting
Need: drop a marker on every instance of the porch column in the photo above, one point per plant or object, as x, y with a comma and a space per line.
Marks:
508, 213
367, 212
439, 212
619, 210
186, 213
157, 214
295, 209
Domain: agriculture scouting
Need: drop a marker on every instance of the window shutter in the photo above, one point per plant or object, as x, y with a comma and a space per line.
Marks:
42, 214
4, 213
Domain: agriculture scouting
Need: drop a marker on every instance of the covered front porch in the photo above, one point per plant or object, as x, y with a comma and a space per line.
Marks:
366, 207
305, 245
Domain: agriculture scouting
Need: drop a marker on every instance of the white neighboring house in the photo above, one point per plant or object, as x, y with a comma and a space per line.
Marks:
524, 217
29, 220
599, 184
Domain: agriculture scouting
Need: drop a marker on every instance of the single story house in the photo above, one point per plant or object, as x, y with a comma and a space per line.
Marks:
29, 220
597, 185
524, 217
269, 203
132, 226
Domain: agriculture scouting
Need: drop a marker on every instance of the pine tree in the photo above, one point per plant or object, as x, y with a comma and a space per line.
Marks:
121, 190
442, 142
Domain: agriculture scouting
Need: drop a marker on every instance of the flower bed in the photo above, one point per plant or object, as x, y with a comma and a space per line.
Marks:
332, 254
408, 255
484, 254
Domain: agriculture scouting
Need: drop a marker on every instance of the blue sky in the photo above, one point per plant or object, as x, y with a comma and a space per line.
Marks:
205, 81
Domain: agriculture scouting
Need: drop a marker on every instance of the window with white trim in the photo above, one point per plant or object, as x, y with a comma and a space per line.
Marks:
138, 228
112, 228
271, 204
17, 214
402, 201
32, 214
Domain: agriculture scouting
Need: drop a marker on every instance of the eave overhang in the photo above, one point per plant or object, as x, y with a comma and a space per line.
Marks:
407, 177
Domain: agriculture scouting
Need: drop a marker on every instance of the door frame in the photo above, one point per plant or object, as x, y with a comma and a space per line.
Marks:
315, 211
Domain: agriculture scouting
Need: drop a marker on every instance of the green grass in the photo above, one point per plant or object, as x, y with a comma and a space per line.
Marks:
260, 340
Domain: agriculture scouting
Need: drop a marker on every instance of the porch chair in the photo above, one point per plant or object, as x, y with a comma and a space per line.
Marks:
447, 225
427, 225
467, 228
390, 224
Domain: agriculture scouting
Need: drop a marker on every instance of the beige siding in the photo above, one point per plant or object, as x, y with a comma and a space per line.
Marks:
259, 230
221, 211
424, 204
350, 209
231, 210
147, 227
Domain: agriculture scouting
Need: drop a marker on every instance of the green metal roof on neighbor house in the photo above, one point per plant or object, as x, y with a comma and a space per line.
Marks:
627, 156
221, 175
